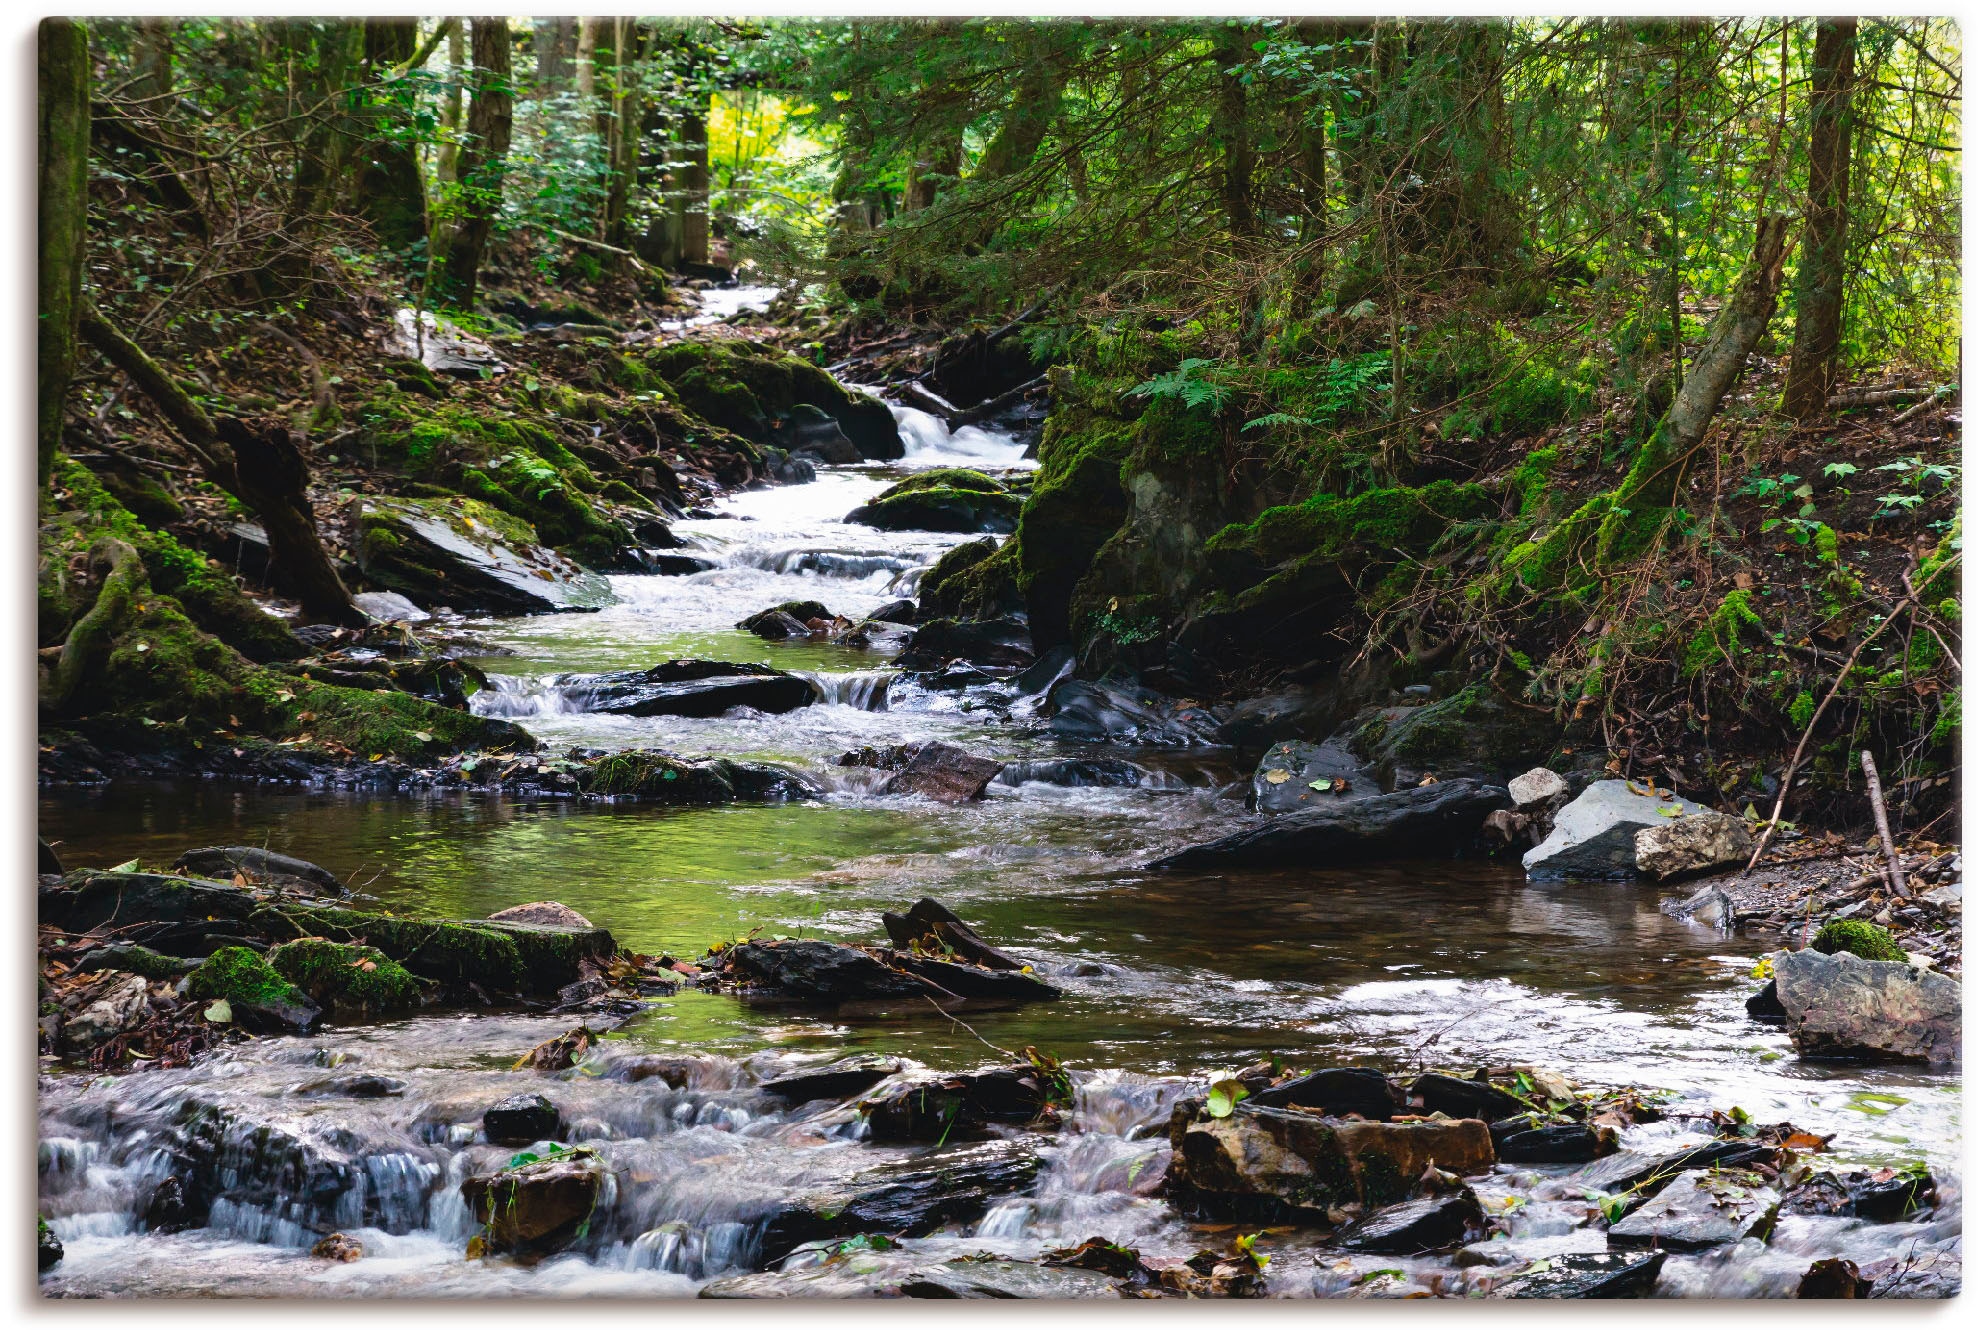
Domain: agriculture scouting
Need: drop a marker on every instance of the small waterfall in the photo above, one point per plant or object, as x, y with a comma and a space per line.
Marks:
510, 695
853, 565
929, 442
862, 690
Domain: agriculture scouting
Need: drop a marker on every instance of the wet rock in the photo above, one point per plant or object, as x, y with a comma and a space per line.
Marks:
809, 970
223, 862
1570, 1143
1643, 1171
944, 773
958, 1106
47, 1247
837, 1080
170, 1209
956, 1184
931, 926
471, 557
1055, 664
776, 626
256, 997
362, 1086
1460, 1098
979, 984
1700, 1210
940, 508
895, 611
1883, 1194
1586, 1275
1307, 713
1259, 1160
1336, 1092
1594, 836
46, 860
338, 1247
1076, 772
1431, 820
137, 960
1764, 1005
1539, 790
1472, 733
1841, 1006
1122, 711
667, 564
1834, 1277
902, 1274
690, 688
554, 913
522, 1119
1709, 905
1433, 1223
1295, 775
995, 642
1695, 843
538, 1207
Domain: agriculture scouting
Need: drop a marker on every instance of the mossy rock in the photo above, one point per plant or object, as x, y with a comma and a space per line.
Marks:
346, 978
1857, 937
940, 509
752, 389
471, 556
948, 477
1472, 733
257, 998
1333, 526
1078, 502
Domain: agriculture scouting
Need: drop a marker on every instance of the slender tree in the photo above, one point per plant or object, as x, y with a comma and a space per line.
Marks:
62, 145
1820, 282
483, 163
390, 192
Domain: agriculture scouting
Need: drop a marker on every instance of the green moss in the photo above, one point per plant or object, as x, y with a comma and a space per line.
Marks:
1529, 484
657, 778
144, 961
941, 509
241, 975
346, 977
1859, 938
1330, 526
1078, 503
436, 948
1950, 716
1720, 636
947, 477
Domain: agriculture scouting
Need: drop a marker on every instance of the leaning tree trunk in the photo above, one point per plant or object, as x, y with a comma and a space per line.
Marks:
256, 462
482, 165
63, 161
1820, 282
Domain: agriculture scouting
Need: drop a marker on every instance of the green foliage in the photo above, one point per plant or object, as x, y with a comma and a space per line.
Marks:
1188, 384
1859, 938
1720, 637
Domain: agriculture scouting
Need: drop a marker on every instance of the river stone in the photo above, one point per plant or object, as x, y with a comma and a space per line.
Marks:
1121, 711
338, 1247
1834, 1277
470, 557
836, 1080
968, 512
1289, 1158
1336, 1092
1540, 788
1884, 1194
1642, 1171
1842, 1006
955, 1107
776, 626
944, 773
1460, 1098
122, 1005
689, 688
812, 970
913, 1275
364, 1085
1700, 1210
1288, 777
48, 1250
1570, 1143
1709, 904
955, 1184
537, 1207
1053, 665
1077, 772
388, 607
895, 611
1594, 835
995, 642
977, 983
1428, 821
222, 862
936, 927
522, 1119
1694, 843
554, 913
1586, 1275
1433, 1223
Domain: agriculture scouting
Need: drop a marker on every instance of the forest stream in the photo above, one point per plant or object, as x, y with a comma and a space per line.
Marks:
1166, 981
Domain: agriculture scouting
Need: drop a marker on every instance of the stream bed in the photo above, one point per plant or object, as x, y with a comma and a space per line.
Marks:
1166, 980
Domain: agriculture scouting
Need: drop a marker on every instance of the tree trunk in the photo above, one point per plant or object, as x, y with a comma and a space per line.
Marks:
256, 462
1820, 283
483, 163
391, 195
1026, 120
1233, 128
556, 49
586, 63
62, 213
151, 59
693, 187
626, 111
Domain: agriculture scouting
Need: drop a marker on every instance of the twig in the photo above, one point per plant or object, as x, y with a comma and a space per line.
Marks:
1930, 403
972, 1030
1897, 881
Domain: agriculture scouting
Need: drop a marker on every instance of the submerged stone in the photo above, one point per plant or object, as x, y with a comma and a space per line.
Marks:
945, 774
1433, 1223
1586, 1275
835, 1080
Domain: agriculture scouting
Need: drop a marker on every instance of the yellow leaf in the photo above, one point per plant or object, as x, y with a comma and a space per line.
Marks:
1277, 775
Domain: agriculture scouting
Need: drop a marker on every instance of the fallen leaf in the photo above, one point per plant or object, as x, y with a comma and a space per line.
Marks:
1277, 775
221, 1012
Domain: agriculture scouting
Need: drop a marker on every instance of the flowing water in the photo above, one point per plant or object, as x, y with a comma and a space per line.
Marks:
1165, 979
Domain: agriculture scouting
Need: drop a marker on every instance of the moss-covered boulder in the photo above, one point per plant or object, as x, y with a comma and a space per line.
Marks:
255, 996
470, 556
1078, 502
915, 506
753, 390
950, 478
346, 978
1475, 732
975, 580
1857, 937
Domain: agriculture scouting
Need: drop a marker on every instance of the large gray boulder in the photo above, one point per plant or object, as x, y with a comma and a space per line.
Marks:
1425, 822
1842, 1006
471, 557
689, 688
1594, 835
1694, 843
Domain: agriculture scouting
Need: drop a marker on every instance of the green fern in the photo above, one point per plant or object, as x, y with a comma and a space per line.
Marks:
1184, 384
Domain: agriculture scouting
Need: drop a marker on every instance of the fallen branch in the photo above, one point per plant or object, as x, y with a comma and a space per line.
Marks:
1871, 397
614, 250
1928, 404
1897, 882
983, 410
